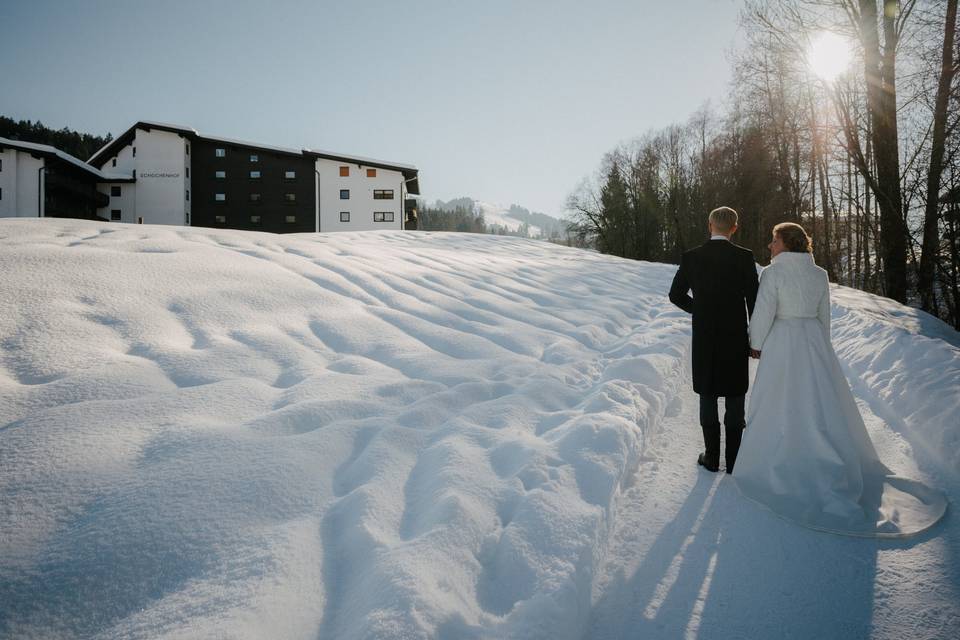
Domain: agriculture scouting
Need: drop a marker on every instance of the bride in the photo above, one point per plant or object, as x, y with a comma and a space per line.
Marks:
806, 454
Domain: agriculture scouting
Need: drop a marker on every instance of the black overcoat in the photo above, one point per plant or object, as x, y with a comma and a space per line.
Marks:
723, 279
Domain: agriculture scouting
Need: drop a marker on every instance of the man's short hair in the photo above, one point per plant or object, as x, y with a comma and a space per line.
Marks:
723, 219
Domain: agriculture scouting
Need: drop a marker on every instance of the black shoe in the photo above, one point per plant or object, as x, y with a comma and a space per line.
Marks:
703, 462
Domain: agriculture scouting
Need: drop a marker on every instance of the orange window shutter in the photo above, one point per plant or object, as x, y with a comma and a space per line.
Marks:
344, 171
371, 173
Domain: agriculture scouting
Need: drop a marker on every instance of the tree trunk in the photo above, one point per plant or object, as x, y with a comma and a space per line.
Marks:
880, 75
827, 252
955, 280
868, 222
931, 227
858, 276
849, 226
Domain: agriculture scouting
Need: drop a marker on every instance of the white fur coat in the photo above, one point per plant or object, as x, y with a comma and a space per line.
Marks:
791, 287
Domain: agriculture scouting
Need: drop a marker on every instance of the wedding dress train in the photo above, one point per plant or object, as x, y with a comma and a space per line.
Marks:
806, 454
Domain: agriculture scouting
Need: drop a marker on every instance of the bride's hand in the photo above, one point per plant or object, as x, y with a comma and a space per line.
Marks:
754, 353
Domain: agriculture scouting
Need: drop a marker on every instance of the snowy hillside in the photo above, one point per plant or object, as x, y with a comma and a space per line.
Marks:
497, 215
512, 220
213, 433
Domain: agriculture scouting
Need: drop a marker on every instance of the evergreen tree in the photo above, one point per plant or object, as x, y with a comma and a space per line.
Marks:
616, 214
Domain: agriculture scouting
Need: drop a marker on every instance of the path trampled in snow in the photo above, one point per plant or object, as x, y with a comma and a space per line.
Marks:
690, 558
208, 433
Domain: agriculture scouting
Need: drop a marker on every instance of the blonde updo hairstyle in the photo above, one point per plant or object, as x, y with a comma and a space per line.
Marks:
794, 238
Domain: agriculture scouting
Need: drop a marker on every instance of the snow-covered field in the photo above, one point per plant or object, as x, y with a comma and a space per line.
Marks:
221, 434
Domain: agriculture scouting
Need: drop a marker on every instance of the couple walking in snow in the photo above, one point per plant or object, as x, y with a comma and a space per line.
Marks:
801, 449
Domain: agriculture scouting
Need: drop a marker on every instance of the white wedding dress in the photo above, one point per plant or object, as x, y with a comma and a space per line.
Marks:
806, 454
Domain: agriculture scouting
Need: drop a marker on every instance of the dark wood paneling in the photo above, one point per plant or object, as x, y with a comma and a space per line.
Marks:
238, 186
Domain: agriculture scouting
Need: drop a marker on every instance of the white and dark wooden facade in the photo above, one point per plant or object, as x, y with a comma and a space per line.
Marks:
184, 178
37, 180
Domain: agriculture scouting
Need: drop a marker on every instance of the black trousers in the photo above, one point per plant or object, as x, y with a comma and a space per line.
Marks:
733, 422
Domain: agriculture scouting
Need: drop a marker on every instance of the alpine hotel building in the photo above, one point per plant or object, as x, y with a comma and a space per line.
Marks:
157, 173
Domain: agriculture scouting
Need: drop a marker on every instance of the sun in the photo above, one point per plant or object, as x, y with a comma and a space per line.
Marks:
828, 55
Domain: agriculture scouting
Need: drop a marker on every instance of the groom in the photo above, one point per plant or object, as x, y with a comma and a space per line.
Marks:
723, 279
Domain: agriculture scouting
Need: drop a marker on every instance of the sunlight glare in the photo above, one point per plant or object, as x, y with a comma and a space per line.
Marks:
828, 55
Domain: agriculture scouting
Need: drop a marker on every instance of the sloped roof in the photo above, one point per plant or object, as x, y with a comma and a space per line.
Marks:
108, 150
409, 171
52, 152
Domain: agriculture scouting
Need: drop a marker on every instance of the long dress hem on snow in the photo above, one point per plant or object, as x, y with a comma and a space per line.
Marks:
806, 454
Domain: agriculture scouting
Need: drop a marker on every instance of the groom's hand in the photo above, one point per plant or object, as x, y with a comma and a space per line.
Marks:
754, 353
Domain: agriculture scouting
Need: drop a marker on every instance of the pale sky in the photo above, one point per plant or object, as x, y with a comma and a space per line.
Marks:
508, 102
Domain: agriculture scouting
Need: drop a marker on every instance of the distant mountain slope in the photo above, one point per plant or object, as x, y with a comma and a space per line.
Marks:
512, 220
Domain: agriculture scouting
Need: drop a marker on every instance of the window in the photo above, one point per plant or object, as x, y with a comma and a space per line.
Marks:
114, 163
115, 214
188, 195
371, 173
383, 216
220, 197
1, 193
290, 219
383, 194
344, 216
134, 152
188, 172
115, 191
254, 157
344, 194
1, 164
255, 197
290, 198
188, 148
254, 219
221, 219
289, 175
254, 175
186, 218
344, 172
220, 175
221, 153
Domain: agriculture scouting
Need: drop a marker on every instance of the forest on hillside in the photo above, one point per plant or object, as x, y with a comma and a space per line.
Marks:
456, 215
466, 215
79, 145
866, 158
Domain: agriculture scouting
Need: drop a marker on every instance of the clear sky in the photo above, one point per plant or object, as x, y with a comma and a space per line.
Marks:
504, 101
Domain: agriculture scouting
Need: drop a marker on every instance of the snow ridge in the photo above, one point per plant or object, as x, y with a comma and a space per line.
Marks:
210, 433
357, 435
909, 363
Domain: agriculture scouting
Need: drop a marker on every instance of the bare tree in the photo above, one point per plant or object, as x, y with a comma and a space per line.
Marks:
931, 228
856, 174
880, 75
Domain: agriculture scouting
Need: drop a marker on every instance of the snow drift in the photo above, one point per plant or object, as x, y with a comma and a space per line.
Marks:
213, 433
